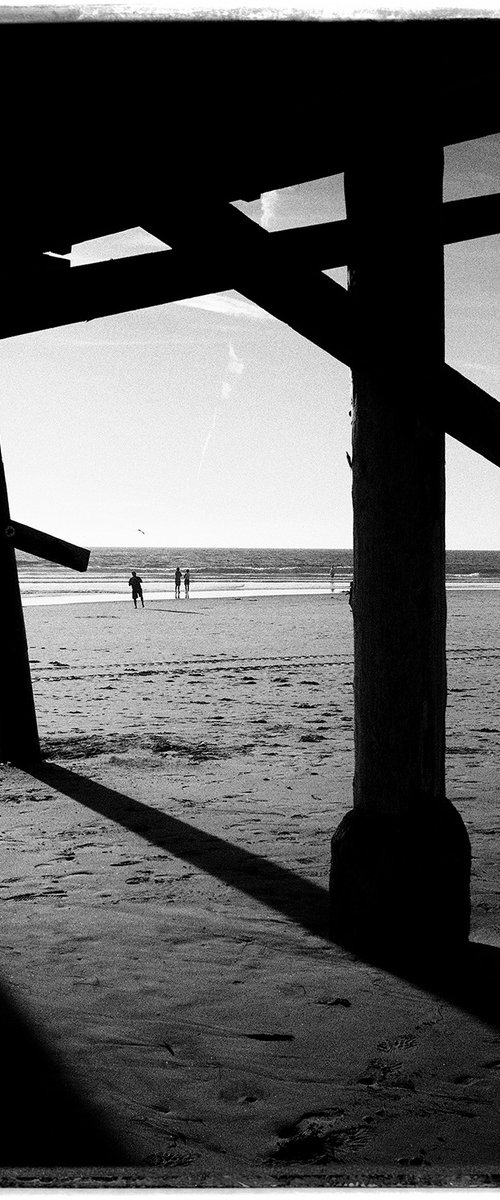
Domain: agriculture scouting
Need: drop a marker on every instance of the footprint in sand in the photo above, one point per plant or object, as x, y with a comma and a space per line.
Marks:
337, 1002
237, 1093
318, 1137
401, 1043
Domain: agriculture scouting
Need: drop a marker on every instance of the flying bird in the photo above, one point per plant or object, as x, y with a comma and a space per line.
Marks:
141, 531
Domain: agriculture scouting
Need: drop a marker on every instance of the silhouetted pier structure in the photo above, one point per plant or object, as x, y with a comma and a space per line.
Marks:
19, 742
224, 112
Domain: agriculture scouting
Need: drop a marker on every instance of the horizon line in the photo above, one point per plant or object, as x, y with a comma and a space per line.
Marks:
233, 546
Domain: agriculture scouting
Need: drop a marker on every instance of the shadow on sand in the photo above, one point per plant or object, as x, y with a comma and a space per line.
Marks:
44, 1120
469, 980
303, 902
179, 612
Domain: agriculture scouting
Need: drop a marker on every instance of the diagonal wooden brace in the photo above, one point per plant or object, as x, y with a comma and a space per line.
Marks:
43, 545
231, 251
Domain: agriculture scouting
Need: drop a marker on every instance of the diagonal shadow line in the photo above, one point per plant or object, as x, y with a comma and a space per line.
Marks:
179, 612
468, 979
305, 903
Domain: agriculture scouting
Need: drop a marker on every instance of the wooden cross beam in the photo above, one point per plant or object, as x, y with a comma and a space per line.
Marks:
19, 741
320, 309
32, 302
331, 244
43, 293
293, 292
230, 251
43, 545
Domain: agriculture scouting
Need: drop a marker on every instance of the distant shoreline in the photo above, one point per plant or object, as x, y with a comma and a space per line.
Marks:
218, 574
230, 593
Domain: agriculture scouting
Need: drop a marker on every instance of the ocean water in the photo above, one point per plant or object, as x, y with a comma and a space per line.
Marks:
220, 572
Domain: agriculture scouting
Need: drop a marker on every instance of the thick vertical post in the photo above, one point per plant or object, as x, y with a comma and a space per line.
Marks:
18, 729
401, 858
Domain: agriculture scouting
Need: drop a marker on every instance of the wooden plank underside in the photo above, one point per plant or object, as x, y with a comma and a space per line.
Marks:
43, 545
278, 135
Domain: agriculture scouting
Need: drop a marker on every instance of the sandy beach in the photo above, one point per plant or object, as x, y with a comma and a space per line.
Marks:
165, 910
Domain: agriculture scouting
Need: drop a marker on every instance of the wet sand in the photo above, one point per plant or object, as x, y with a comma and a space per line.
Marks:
164, 883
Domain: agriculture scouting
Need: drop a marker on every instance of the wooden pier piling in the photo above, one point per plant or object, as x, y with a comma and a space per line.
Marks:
401, 858
19, 741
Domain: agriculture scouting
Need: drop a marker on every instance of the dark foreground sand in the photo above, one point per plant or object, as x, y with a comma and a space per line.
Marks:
186, 987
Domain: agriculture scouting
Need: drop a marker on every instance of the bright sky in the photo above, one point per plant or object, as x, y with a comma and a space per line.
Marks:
209, 423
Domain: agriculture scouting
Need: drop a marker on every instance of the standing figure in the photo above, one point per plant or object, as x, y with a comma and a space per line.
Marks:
178, 578
186, 584
332, 576
135, 582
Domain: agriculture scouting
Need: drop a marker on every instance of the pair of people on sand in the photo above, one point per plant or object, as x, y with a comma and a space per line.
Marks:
177, 579
135, 582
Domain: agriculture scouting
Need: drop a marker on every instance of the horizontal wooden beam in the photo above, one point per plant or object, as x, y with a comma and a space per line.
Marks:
326, 245
476, 217
43, 545
230, 251
330, 245
36, 299
29, 302
322, 246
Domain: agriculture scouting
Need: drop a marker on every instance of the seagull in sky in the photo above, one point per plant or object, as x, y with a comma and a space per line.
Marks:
141, 531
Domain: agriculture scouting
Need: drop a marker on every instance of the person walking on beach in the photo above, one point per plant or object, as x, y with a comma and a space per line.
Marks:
186, 584
178, 578
135, 582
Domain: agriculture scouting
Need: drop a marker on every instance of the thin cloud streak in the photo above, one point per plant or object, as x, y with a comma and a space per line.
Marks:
207, 441
235, 366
